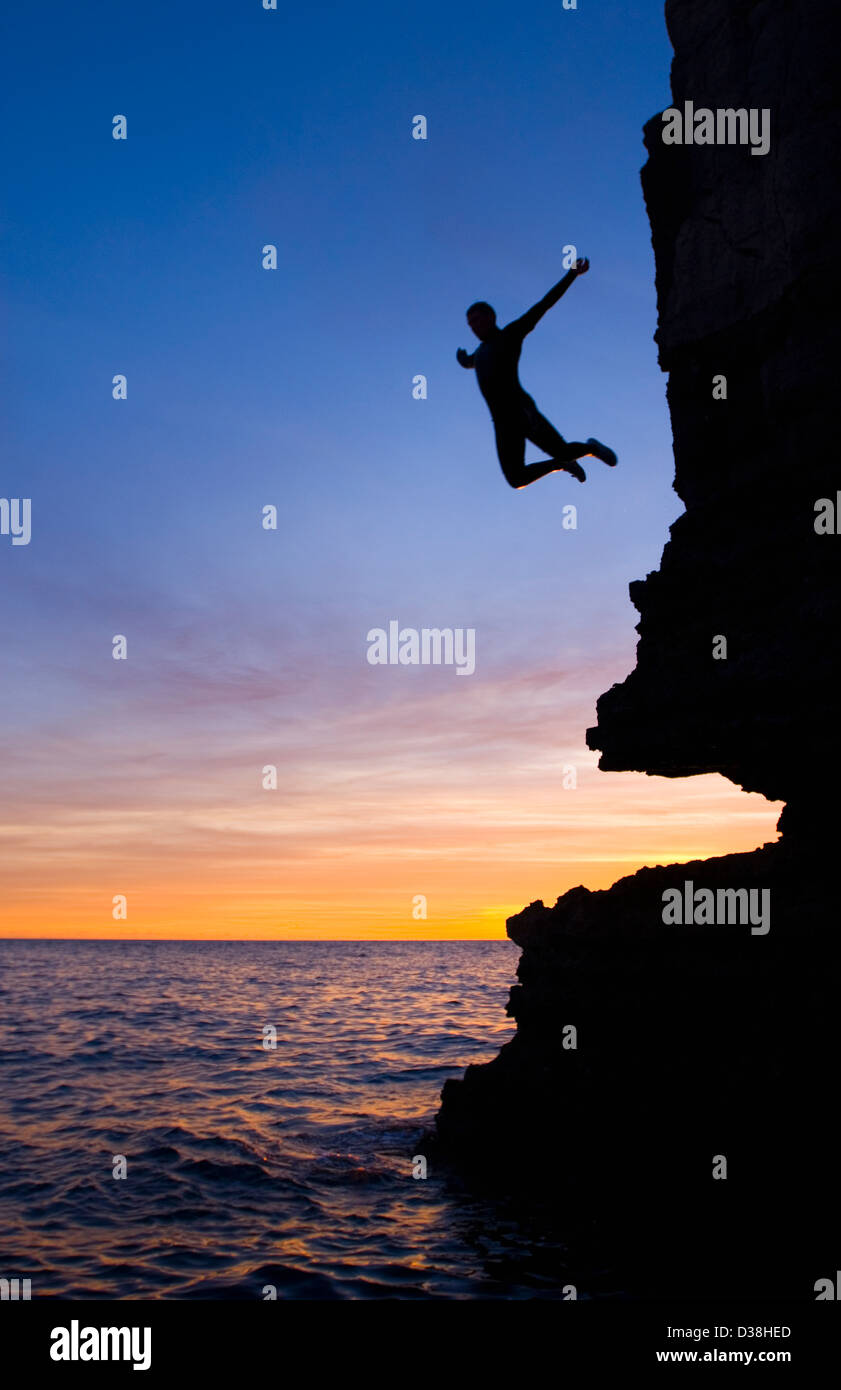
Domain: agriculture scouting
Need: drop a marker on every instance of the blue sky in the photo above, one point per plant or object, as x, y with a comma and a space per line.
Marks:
294, 387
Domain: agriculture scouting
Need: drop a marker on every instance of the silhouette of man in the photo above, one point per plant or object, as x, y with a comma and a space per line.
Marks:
515, 416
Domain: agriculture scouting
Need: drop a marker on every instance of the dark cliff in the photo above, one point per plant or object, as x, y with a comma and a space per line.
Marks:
701, 1040
747, 273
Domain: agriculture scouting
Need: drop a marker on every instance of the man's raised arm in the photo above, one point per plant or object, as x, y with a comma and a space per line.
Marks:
535, 314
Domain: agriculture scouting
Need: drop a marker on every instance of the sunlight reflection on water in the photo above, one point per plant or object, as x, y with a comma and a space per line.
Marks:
248, 1167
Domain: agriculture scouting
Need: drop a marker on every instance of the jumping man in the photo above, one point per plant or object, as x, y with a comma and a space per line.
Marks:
516, 417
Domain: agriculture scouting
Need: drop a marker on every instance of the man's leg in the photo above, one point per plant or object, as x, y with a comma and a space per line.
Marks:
545, 436
542, 433
511, 450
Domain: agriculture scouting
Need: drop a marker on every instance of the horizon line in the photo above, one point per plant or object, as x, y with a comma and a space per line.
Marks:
157, 940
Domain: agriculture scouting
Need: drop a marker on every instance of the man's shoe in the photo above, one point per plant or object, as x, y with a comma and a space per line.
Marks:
601, 451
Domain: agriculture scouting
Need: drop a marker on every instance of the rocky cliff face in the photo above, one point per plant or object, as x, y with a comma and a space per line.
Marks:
746, 251
709, 1039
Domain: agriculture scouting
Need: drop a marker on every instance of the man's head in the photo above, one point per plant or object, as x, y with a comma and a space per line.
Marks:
482, 319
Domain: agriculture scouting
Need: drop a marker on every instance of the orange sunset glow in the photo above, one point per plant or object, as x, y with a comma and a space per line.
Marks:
377, 806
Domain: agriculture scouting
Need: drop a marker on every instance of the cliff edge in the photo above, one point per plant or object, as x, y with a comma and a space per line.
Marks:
747, 275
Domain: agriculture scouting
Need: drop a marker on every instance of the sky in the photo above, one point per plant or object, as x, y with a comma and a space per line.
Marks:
401, 789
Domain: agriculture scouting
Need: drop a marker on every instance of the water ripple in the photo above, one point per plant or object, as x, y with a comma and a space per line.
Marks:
246, 1167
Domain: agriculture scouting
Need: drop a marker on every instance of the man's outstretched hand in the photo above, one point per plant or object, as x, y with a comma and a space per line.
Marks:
582, 266
463, 358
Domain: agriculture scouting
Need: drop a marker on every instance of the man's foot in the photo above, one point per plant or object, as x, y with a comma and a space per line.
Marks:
601, 451
575, 469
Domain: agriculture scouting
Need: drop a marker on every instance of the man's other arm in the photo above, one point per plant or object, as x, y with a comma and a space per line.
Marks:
536, 312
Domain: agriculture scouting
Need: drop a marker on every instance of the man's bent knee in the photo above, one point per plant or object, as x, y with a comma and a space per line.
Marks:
511, 452
514, 477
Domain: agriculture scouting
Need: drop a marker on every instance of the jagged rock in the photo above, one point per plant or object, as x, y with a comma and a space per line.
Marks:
746, 250
700, 1040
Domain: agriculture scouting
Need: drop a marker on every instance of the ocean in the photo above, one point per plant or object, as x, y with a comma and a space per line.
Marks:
250, 1172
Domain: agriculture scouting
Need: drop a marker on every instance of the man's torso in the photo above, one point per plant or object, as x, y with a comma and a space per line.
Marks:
495, 362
